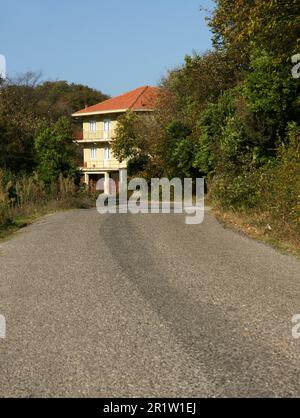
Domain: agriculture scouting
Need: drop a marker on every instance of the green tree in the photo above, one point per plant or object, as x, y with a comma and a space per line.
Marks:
56, 152
271, 25
18, 124
134, 143
26, 103
60, 98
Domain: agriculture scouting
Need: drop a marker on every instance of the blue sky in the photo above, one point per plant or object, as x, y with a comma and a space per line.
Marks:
113, 45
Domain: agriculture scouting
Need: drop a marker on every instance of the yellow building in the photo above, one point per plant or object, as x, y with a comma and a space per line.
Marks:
99, 124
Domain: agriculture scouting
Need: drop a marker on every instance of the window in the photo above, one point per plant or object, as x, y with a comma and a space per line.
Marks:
106, 125
107, 153
93, 153
93, 126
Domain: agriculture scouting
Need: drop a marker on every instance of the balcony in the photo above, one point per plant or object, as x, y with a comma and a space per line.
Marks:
99, 165
97, 136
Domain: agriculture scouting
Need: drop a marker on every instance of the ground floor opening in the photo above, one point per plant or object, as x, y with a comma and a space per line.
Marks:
106, 182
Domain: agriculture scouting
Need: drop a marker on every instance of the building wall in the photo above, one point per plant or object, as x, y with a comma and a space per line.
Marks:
99, 162
99, 119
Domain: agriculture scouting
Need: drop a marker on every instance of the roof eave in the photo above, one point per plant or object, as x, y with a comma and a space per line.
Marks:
106, 112
101, 112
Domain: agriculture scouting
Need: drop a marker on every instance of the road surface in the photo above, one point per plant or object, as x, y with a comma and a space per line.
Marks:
146, 306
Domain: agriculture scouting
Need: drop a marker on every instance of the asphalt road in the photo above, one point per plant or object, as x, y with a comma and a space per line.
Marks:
146, 306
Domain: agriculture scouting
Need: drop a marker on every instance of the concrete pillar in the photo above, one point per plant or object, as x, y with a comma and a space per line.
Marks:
106, 183
86, 179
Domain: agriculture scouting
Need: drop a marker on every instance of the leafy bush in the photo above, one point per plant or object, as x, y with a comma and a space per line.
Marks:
282, 197
272, 189
55, 151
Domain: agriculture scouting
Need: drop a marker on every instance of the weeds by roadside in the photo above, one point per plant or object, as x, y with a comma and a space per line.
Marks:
25, 198
264, 202
256, 225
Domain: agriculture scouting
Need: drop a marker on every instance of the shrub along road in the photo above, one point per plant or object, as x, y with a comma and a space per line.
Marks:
123, 305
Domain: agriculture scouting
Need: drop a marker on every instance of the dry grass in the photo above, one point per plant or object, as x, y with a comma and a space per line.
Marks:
258, 226
24, 200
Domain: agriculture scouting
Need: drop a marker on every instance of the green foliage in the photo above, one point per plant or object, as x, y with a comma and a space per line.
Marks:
55, 151
239, 192
138, 165
5, 185
18, 123
137, 141
178, 150
232, 114
272, 189
126, 144
272, 93
60, 98
223, 143
201, 81
130, 144
182, 158
25, 105
272, 25
283, 196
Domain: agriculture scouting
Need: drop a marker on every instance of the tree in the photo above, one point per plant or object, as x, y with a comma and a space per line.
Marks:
25, 104
271, 25
56, 151
60, 98
135, 143
18, 124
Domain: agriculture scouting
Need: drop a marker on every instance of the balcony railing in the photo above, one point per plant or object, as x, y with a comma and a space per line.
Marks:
103, 165
96, 136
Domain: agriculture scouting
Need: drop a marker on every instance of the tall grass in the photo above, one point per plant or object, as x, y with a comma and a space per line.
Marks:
5, 202
26, 197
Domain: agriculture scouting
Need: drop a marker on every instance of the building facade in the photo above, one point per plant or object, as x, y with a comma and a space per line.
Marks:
99, 123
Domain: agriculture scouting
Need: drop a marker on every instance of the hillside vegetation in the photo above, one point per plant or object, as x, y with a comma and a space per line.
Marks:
38, 157
232, 115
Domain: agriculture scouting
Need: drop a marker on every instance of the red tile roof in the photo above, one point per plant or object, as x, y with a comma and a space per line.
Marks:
143, 98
